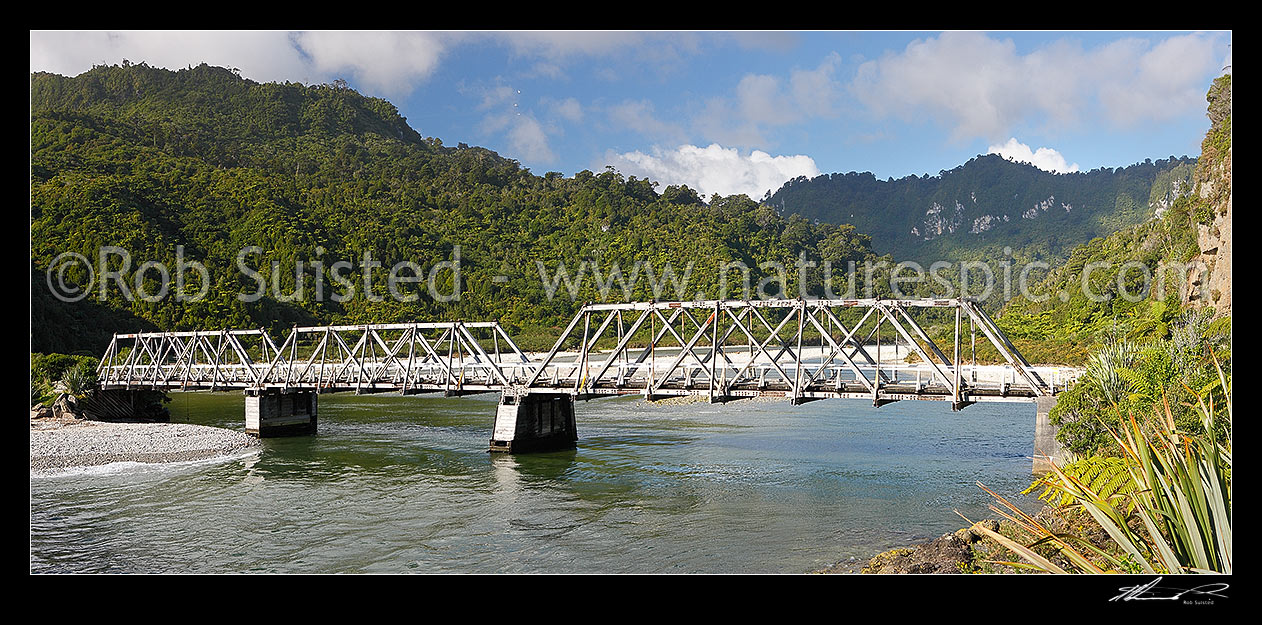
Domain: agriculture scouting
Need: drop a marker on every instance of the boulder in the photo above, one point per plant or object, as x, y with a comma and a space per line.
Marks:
970, 536
66, 407
947, 554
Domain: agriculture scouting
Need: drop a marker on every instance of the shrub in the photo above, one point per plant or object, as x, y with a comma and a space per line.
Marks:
1181, 498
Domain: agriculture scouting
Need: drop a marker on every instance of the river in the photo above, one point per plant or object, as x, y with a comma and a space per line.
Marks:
404, 484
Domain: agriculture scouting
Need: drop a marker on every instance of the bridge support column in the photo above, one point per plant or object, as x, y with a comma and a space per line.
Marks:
534, 422
280, 413
1047, 449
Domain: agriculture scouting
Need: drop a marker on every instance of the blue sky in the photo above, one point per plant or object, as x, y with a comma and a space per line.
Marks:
737, 112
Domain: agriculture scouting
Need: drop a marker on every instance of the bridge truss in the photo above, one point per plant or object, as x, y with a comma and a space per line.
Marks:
801, 350
407, 358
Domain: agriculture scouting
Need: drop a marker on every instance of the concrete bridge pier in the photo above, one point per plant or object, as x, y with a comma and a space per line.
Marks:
1047, 449
534, 422
270, 413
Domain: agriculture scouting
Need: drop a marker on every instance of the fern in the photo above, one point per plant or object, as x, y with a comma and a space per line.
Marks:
1106, 476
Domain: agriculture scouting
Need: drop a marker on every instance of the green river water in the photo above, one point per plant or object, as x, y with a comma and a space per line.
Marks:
404, 484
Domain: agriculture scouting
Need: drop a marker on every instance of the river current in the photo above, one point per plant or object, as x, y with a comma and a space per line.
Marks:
404, 484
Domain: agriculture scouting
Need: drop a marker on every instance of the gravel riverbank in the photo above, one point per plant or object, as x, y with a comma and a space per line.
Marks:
59, 446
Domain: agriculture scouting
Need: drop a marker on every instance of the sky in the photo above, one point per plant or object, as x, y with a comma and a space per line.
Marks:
740, 111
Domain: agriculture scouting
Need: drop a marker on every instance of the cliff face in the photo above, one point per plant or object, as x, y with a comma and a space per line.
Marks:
1213, 192
1214, 240
988, 203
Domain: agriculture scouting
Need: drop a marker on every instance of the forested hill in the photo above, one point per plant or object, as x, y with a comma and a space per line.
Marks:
205, 163
976, 209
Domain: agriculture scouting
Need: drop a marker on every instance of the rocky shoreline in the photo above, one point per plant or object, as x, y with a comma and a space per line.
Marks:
959, 552
59, 445
968, 551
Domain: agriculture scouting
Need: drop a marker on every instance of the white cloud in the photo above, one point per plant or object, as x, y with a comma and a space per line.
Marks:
772, 41
1046, 159
815, 91
528, 140
260, 55
492, 97
391, 63
762, 101
983, 87
381, 63
965, 80
1163, 81
525, 139
715, 169
561, 44
545, 70
640, 116
720, 123
513, 128
568, 109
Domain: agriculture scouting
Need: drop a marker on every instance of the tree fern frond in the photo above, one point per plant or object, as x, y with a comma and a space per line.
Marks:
1106, 476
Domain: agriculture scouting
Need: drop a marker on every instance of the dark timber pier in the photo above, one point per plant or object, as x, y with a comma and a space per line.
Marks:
723, 350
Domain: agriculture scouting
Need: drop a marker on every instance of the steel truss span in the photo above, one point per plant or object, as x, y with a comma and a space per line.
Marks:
800, 350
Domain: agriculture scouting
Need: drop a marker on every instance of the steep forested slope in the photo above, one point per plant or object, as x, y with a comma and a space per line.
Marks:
202, 163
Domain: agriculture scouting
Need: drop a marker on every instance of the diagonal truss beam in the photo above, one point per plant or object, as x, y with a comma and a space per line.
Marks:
801, 349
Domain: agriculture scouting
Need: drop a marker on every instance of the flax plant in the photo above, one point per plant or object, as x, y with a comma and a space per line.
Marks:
78, 381
1182, 500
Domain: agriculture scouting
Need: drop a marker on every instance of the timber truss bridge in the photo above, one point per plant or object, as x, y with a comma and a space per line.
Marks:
723, 350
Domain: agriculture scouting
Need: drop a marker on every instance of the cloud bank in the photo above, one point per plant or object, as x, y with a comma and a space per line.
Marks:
1045, 159
981, 87
715, 169
977, 86
263, 56
760, 103
384, 63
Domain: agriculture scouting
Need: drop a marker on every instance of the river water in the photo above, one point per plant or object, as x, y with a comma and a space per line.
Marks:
404, 484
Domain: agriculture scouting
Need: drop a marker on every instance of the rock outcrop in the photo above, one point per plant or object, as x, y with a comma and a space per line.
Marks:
948, 554
66, 406
1212, 285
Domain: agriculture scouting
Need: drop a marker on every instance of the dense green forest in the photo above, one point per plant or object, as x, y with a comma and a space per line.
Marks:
195, 166
975, 210
199, 164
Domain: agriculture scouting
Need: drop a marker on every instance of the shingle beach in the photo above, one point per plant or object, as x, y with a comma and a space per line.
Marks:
56, 447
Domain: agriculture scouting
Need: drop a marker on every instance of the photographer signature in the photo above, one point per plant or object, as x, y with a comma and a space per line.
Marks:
1151, 591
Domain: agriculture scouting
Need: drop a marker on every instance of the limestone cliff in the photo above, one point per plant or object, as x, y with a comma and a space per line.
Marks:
1212, 287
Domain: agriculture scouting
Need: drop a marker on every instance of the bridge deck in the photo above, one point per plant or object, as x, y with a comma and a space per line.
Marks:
800, 350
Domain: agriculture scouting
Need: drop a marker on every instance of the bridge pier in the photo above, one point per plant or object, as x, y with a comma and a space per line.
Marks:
1047, 450
270, 413
534, 422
